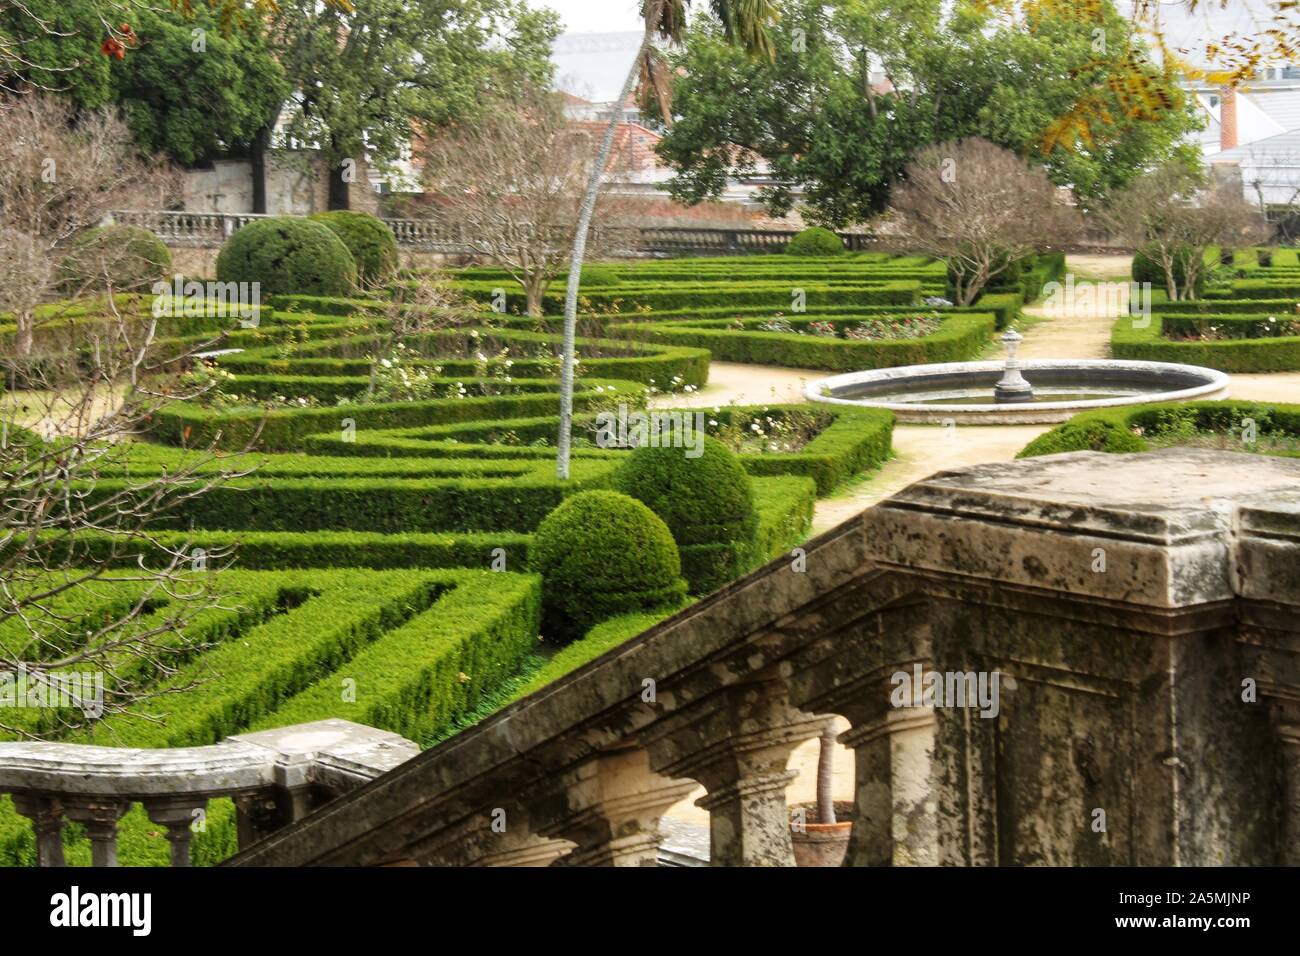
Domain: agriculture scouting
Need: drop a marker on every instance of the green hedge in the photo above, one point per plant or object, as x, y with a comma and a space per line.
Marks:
193, 425
685, 295
1116, 429
1281, 354
960, 337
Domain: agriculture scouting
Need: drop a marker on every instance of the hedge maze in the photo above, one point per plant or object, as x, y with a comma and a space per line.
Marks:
387, 566
1246, 320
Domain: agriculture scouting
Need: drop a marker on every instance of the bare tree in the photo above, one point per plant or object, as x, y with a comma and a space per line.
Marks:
60, 174
97, 588
514, 183
980, 207
1175, 214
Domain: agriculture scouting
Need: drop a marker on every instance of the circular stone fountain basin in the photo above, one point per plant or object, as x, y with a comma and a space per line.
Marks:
963, 391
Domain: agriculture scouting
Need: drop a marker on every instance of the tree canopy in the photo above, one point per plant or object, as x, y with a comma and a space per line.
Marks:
815, 116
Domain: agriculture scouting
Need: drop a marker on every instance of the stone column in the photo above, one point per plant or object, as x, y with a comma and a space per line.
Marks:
46, 814
178, 816
99, 816
737, 743
610, 808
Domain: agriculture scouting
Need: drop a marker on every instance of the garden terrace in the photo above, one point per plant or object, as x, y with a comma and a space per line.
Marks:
423, 647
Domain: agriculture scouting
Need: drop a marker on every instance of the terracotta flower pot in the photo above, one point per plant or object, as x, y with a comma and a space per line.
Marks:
822, 844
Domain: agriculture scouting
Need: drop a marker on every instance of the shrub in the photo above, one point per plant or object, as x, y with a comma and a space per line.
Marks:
372, 244
288, 255
123, 257
601, 553
597, 276
1147, 268
707, 503
702, 500
816, 242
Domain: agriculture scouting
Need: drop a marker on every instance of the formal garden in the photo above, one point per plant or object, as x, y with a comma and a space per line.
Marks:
330, 474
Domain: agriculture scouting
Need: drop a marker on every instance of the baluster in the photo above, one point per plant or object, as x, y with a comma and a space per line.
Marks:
99, 816
46, 814
178, 817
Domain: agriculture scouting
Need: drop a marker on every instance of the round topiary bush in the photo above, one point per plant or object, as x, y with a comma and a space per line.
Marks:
123, 257
601, 553
815, 241
372, 244
288, 256
1147, 268
703, 500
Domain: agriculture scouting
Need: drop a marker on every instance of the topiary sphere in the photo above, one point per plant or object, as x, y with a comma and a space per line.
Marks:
1147, 268
124, 257
288, 256
704, 500
372, 244
815, 241
601, 553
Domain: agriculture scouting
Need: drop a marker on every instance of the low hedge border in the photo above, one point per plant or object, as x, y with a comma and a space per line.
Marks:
959, 338
684, 295
654, 363
1130, 341
1112, 429
289, 550
851, 441
193, 425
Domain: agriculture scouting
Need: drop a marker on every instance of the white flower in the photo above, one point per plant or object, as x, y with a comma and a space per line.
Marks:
386, 363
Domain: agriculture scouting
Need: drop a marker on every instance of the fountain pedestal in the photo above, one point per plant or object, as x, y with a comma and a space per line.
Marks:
1012, 387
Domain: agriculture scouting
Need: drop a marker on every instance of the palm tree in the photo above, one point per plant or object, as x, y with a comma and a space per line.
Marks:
745, 23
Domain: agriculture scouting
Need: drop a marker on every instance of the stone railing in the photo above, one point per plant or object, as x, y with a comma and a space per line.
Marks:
274, 777
1127, 627
212, 229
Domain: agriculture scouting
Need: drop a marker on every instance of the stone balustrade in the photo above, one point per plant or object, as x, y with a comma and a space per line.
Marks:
211, 229
1126, 630
274, 777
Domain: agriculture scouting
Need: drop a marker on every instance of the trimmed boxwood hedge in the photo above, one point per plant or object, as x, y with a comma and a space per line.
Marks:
1113, 429
602, 553
815, 241
1129, 341
371, 242
851, 441
424, 647
961, 336
130, 257
630, 299
286, 254
348, 356
707, 503
193, 425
